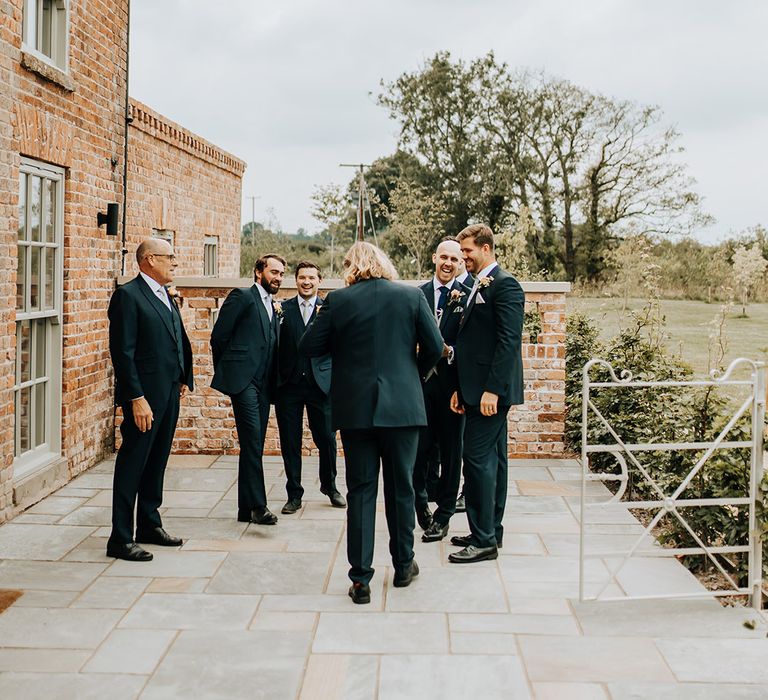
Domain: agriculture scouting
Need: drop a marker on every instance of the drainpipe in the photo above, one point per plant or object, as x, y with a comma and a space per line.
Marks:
128, 120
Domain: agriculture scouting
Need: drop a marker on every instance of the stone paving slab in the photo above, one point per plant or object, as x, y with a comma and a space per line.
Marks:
242, 610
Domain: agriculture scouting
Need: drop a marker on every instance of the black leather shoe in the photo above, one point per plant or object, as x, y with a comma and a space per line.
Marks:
435, 532
291, 506
360, 593
129, 552
424, 517
407, 577
159, 536
461, 506
263, 516
337, 500
471, 554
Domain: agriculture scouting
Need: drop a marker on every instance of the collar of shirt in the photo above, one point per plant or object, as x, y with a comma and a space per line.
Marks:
311, 301
157, 289
266, 297
484, 272
462, 278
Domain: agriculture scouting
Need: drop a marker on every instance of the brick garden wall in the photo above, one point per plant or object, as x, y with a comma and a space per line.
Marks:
206, 424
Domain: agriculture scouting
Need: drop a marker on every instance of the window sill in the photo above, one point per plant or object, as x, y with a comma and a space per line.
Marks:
45, 70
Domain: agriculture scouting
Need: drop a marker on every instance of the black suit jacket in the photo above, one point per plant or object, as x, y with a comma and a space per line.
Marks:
290, 364
143, 345
243, 343
371, 330
489, 342
449, 328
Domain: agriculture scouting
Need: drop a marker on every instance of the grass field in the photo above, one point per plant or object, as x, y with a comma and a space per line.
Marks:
687, 326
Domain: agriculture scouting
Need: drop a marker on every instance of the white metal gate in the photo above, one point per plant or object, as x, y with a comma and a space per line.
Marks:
594, 498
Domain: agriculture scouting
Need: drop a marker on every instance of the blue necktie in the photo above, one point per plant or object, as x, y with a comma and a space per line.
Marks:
441, 301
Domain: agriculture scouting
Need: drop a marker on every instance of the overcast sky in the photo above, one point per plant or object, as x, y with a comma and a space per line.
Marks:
289, 86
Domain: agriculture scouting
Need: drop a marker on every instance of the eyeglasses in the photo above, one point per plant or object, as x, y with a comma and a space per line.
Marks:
164, 255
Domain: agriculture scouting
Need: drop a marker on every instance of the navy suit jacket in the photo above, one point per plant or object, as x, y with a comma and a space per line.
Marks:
489, 342
449, 328
372, 330
143, 346
243, 343
289, 363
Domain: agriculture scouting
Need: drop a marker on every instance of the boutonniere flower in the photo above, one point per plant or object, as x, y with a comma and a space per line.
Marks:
175, 296
278, 307
484, 281
455, 296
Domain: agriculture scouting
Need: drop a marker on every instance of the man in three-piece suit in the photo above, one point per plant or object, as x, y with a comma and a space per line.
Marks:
445, 428
244, 347
152, 359
490, 371
372, 330
304, 382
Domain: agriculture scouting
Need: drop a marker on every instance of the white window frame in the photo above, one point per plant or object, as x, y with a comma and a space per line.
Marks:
33, 26
50, 450
211, 256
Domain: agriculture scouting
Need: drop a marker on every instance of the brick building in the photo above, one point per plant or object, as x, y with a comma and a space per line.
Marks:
64, 136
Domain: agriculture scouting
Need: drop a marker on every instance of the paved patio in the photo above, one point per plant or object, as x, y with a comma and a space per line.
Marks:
262, 612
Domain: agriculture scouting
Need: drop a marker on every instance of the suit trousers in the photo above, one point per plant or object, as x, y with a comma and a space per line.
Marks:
485, 474
445, 429
140, 469
289, 408
364, 450
251, 409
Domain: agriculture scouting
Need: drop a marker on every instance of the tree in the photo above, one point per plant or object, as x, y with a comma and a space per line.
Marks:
749, 267
416, 219
512, 248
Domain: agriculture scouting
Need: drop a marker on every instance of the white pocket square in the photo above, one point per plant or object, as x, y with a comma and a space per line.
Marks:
479, 300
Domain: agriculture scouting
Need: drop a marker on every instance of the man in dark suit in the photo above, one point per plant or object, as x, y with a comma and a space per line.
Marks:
372, 330
152, 359
304, 382
490, 368
444, 427
468, 281
244, 347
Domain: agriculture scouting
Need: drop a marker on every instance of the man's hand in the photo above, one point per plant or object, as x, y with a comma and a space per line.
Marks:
456, 407
182, 390
488, 403
447, 350
142, 414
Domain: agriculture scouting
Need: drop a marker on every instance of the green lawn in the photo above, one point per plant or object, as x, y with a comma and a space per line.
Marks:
687, 325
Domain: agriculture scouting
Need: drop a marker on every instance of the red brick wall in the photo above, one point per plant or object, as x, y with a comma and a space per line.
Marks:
74, 120
177, 181
180, 182
206, 424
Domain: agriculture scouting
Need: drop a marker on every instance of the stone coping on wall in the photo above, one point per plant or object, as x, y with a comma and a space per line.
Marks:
146, 119
329, 284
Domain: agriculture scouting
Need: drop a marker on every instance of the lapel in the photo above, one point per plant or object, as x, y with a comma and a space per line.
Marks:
261, 312
154, 302
471, 304
318, 304
450, 308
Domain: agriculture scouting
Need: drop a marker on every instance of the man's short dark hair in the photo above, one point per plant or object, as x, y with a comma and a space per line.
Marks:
481, 234
306, 264
261, 263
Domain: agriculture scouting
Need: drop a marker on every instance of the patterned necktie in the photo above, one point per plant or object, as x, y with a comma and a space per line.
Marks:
306, 311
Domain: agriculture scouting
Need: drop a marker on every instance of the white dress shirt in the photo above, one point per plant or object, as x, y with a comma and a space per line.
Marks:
266, 299
159, 290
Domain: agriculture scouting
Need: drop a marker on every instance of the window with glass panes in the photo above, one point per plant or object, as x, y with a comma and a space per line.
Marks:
45, 29
37, 385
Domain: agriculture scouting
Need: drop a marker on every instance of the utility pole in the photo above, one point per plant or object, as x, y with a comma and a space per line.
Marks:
360, 198
253, 199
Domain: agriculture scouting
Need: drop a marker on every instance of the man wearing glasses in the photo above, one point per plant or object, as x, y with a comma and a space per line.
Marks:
152, 358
